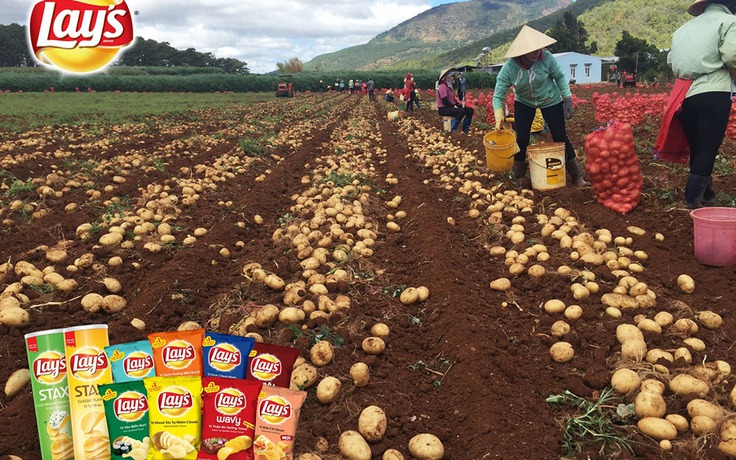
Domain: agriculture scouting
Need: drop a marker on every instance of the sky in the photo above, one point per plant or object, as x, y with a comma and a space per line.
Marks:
262, 36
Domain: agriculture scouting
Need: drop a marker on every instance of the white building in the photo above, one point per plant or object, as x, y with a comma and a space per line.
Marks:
579, 68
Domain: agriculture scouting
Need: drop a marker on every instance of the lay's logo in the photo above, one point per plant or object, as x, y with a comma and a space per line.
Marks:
265, 367
224, 357
230, 401
88, 363
178, 354
49, 367
138, 364
274, 409
175, 401
130, 406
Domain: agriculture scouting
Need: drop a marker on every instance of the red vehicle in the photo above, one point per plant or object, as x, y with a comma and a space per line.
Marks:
285, 88
628, 80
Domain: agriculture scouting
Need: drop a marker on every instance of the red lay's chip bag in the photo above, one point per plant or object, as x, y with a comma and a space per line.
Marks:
177, 353
277, 416
272, 364
228, 420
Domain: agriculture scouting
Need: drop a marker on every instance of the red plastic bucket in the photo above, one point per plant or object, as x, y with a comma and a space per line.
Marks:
715, 235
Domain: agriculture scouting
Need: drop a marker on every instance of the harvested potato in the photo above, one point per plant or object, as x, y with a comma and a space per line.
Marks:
380, 330
702, 407
657, 428
573, 312
710, 319
409, 296
562, 352
309, 456
634, 349
138, 324
686, 283
360, 373
678, 421
328, 390
426, 446
553, 306
560, 329
291, 315
374, 345
695, 343
189, 326
501, 284
626, 332
112, 285
353, 446
16, 382
303, 377
392, 454
322, 353
14, 316
113, 303
267, 315
372, 423
624, 381
649, 404
684, 384
702, 425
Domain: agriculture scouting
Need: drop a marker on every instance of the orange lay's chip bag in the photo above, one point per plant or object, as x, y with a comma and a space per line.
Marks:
178, 352
174, 417
277, 416
272, 364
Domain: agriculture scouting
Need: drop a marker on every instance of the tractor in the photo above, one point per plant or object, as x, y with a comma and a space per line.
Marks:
285, 88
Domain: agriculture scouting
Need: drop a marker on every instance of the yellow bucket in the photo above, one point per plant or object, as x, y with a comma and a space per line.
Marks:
547, 165
500, 149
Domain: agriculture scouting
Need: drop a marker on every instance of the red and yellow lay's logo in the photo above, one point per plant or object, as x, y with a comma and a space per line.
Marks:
88, 363
265, 367
174, 401
49, 367
224, 357
137, 364
274, 409
178, 354
79, 36
230, 401
130, 406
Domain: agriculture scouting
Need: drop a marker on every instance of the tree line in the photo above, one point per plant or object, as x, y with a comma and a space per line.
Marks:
14, 52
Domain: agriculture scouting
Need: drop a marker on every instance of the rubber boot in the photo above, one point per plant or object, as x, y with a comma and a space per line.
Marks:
709, 196
695, 189
576, 175
466, 124
518, 171
454, 124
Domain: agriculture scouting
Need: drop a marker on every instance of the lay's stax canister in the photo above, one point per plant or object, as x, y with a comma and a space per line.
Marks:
87, 366
47, 365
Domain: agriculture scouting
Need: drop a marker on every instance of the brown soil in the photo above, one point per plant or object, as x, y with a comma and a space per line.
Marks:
460, 365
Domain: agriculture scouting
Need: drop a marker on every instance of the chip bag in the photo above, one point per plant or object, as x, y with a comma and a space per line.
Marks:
226, 355
126, 409
228, 420
175, 416
272, 364
131, 361
177, 353
277, 416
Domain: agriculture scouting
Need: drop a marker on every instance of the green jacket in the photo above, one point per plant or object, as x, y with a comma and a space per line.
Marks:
541, 86
703, 49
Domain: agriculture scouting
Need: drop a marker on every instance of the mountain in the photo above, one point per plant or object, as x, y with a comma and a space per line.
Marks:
456, 33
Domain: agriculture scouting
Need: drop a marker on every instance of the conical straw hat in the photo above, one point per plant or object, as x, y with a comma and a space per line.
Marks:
444, 72
527, 41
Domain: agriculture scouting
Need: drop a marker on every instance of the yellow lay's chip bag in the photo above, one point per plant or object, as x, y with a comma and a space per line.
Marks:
174, 417
177, 352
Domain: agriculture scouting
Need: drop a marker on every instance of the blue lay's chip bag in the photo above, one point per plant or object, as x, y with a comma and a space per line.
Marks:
131, 361
226, 355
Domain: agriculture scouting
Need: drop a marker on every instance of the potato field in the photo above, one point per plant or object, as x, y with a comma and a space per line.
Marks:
316, 219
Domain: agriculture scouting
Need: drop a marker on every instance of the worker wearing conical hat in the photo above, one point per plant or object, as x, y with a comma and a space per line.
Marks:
448, 106
703, 60
538, 82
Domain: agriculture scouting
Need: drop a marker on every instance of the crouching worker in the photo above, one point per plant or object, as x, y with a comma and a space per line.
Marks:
448, 106
539, 83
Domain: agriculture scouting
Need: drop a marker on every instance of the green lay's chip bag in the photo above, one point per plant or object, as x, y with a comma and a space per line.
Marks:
126, 409
131, 361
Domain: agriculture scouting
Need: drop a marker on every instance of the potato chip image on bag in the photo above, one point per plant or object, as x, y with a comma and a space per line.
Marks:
277, 417
126, 409
226, 355
228, 420
174, 417
177, 353
131, 361
272, 364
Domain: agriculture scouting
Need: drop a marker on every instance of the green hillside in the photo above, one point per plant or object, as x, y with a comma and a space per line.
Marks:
415, 44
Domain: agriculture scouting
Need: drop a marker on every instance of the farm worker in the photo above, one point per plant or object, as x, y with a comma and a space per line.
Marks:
350, 86
321, 86
342, 86
538, 82
448, 106
371, 87
390, 95
461, 87
703, 60
364, 88
418, 97
410, 95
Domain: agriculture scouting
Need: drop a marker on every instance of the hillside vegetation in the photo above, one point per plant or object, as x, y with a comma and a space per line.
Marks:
416, 43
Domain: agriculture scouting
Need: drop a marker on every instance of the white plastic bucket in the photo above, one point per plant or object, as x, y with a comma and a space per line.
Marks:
447, 123
547, 165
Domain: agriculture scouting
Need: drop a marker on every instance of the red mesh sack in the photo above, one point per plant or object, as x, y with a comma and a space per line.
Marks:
613, 167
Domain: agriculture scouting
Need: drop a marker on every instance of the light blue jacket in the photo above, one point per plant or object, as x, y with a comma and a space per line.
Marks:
703, 49
542, 85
